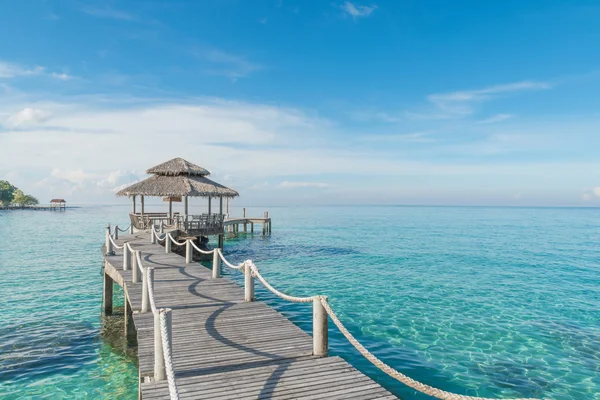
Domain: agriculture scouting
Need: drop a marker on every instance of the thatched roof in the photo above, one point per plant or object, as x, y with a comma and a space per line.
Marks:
180, 185
176, 167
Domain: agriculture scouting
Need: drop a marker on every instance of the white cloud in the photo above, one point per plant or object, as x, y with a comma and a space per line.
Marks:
11, 70
460, 103
596, 191
61, 76
496, 118
226, 64
356, 11
28, 116
288, 184
108, 12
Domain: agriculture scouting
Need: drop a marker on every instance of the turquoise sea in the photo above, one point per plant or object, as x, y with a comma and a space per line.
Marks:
497, 302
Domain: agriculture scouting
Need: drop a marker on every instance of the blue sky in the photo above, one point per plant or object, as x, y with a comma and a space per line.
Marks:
306, 102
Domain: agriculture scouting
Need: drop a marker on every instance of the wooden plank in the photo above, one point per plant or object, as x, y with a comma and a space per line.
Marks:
223, 347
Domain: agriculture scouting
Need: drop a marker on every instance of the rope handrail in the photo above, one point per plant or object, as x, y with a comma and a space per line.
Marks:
175, 241
230, 265
421, 387
173, 391
114, 244
123, 230
200, 250
128, 246
157, 237
284, 296
151, 289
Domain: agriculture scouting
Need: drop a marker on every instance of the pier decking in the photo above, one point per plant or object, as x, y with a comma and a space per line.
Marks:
222, 346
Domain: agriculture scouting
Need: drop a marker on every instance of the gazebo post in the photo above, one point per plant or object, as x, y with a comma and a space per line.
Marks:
221, 205
209, 204
185, 206
170, 210
227, 212
142, 200
133, 197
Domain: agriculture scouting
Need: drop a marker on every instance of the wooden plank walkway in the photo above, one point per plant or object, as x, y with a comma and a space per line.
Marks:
223, 347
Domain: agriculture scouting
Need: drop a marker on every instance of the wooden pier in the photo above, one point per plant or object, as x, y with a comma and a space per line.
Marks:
222, 346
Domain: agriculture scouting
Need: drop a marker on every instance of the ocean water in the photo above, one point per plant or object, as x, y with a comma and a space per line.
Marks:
497, 302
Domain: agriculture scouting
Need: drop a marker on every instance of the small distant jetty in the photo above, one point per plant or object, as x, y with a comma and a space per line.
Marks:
200, 335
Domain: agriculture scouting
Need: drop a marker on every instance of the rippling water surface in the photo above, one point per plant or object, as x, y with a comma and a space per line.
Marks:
482, 301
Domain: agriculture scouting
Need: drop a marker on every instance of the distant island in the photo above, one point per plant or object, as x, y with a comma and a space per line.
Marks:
12, 197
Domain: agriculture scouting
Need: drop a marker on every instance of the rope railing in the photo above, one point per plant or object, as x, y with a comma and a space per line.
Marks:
173, 391
199, 250
322, 300
230, 265
123, 230
114, 244
175, 241
153, 232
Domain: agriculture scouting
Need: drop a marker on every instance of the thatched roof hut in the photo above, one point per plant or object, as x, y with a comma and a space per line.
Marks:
178, 177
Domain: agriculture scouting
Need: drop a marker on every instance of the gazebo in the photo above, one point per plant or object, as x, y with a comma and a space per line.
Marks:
174, 180
59, 204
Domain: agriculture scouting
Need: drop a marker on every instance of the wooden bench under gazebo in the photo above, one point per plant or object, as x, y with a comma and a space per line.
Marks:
175, 180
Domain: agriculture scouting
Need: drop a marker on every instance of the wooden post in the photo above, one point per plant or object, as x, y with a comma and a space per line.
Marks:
131, 229
148, 279
266, 214
126, 257
152, 235
168, 242
170, 210
221, 240
188, 251
116, 232
162, 226
130, 332
142, 201
160, 374
185, 206
248, 284
107, 295
320, 332
109, 247
209, 205
221, 205
216, 268
227, 204
133, 197
264, 226
244, 212
135, 268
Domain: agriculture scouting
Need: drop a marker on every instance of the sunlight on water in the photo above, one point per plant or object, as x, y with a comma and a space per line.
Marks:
481, 301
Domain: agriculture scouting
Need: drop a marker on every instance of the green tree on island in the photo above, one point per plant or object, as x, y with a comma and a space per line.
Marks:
6, 193
21, 199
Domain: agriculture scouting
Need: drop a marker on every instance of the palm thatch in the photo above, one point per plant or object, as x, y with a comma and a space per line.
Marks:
181, 185
178, 166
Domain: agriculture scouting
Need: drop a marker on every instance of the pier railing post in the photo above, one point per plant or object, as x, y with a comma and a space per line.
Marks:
131, 229
168, 242
162, 226
116, 232
135, 267
152, 235
320, 332
160, 373
248, 284
148, 279
216, 269
109, 247
126, 257
188, 251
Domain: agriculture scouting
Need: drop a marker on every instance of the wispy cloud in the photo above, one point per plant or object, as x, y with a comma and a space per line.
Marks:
108, 12
11, 70
61, 76
356, 11
28, 116
496, 118
226, 64
291, 184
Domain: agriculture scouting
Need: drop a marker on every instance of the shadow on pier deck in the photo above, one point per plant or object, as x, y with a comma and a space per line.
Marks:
222, 346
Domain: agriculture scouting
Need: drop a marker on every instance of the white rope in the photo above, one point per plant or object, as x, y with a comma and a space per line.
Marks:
128, 245
421, 387
175, 241
284, 296
158, 238
200, 250
167, 356
230, 265
114, 244
151, 289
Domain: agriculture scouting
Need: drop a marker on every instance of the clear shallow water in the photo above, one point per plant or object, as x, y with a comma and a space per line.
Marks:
482, 301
